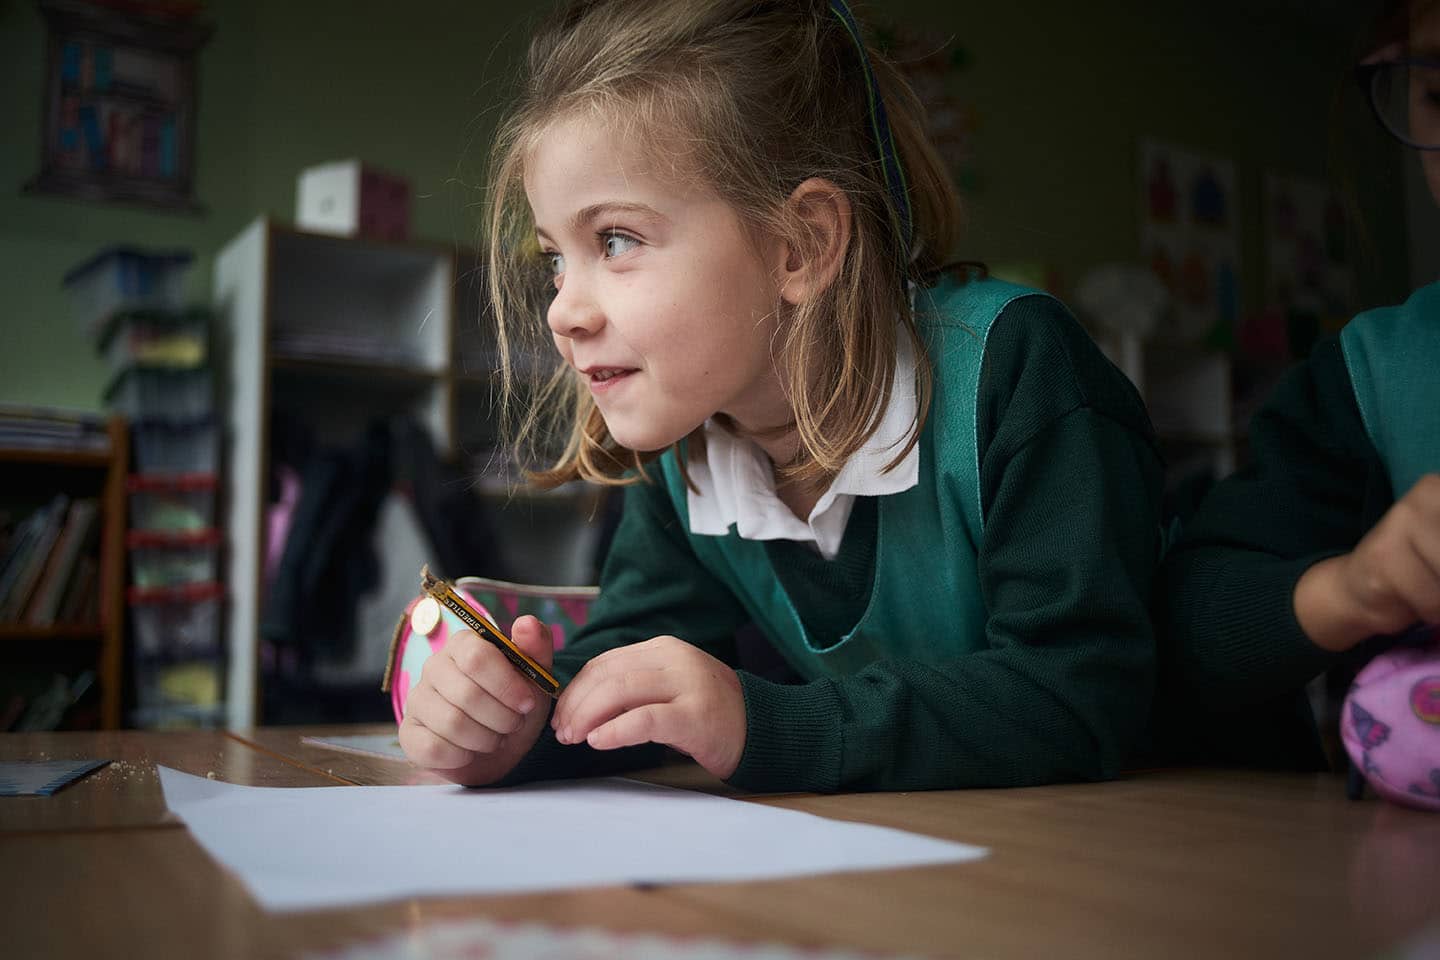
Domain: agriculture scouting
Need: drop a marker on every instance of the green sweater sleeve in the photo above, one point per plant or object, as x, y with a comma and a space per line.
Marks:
1313, 487
1070, 485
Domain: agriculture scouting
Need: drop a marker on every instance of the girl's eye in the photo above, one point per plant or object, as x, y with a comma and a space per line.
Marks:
556, 262
618, 243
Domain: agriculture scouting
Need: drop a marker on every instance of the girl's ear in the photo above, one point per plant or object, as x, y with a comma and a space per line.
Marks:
822, 213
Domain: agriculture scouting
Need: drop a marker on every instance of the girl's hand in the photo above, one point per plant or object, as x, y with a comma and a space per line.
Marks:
663, 690
1390, 581
473, 716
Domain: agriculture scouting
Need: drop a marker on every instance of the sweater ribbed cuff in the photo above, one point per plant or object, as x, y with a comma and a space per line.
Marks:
792, 737
549, 759
1261, 637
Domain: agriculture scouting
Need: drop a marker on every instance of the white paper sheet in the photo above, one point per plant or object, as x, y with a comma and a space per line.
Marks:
309, 847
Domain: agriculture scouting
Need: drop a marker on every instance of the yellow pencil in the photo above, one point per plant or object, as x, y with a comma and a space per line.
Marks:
446, 596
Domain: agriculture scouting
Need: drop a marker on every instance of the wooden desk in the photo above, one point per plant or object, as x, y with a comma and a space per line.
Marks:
1166, 864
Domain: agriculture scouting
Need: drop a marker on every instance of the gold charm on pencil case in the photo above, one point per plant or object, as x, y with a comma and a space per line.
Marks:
447, 597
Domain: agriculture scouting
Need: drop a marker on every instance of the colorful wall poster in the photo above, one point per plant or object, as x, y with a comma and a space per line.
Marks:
1190, 237
1309, 263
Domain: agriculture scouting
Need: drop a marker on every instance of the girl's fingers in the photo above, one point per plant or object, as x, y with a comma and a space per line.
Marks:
425, 748
607, 698
1416, 571
476, 702
651, 723
1426, 542
534, 636
1418, 579
1425, 496
606, 667
449, 722
483, 663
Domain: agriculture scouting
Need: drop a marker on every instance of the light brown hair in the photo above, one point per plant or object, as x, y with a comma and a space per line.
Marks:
766, 95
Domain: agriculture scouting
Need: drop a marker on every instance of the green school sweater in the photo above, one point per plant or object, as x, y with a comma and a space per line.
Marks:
1055, 682
1234, 661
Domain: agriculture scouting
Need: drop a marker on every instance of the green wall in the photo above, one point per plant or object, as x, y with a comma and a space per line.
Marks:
45, 360
282, 86
1063, 92
1064, 99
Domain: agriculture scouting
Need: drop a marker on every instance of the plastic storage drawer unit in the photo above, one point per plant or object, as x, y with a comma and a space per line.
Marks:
175, 446
175, 623
124, 278
172, 503
172, 559
169, 339
141, 392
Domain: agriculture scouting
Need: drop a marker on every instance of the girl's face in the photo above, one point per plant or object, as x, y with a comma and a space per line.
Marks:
664, 305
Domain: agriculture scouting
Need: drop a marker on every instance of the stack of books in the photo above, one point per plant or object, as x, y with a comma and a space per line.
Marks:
44, 428
49, 554
49, 568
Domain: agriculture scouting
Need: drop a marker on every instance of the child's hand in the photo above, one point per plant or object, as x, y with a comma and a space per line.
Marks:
473, 716
1390, 581
663, 690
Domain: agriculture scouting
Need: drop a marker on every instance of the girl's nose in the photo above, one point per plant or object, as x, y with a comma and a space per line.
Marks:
574, 313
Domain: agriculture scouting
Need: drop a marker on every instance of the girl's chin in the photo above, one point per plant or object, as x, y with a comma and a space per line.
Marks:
640, 439
642, 444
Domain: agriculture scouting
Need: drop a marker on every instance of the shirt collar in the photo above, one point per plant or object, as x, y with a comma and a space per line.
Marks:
737, 488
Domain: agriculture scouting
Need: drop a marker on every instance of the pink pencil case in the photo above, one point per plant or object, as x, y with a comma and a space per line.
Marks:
1390, 723
564, 609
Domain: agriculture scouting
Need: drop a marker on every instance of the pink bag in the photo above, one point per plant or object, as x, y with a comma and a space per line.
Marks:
1390, 723
565, 609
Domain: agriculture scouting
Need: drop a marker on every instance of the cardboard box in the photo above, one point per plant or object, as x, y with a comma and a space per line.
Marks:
350, 199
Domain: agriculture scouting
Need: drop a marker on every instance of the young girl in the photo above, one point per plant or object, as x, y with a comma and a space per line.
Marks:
935, 498
1332, 535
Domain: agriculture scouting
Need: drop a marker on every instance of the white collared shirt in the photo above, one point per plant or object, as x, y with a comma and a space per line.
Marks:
737, 486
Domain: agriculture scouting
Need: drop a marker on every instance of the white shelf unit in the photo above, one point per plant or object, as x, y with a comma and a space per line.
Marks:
550, 536
340, 330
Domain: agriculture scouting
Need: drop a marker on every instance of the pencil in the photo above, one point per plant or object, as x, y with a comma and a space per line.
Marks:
446, 596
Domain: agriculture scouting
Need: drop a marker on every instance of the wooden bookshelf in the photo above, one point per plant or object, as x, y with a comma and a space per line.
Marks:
59, 631
71, 458
84, 473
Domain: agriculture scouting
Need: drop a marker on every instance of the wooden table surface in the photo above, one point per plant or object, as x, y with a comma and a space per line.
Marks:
1161, 864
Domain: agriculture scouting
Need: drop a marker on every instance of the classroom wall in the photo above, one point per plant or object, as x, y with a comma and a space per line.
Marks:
401, 85
44, 360
1063, 92
1253, 80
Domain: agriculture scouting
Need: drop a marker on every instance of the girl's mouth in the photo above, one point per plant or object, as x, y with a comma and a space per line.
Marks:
602, 378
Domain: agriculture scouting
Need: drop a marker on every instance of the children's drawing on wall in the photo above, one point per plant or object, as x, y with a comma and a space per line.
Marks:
1309, 273
1190, 236
120, 108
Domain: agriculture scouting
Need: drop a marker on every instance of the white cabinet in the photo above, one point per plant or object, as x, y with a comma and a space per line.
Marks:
337, 331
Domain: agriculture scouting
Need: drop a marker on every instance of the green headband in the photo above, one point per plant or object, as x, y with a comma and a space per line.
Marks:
880, 128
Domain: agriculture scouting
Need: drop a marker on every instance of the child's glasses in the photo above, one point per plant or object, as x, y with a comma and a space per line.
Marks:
1405, 95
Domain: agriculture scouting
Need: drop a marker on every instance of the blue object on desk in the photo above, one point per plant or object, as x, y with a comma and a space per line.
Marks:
22, 778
